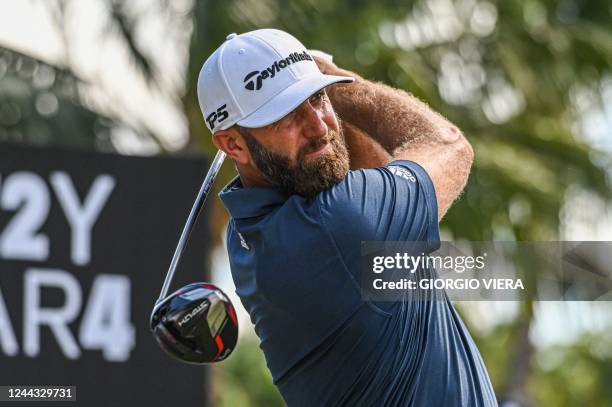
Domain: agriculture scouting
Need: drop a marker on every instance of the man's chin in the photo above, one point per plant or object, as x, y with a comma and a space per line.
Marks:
329, 173
310, 174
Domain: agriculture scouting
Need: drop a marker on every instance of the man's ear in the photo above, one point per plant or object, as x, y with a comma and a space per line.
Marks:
232, 143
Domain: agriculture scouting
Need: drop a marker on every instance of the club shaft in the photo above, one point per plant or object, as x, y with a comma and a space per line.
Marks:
209, 180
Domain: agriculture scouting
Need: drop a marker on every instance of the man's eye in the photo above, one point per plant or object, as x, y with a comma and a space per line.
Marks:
279, 123
318, 96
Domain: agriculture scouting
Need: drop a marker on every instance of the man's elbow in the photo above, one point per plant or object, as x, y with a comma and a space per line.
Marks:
457, 172
462, 147
463, 151
463, 158
466, 151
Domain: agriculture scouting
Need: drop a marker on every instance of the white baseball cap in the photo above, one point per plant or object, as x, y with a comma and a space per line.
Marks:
256, 78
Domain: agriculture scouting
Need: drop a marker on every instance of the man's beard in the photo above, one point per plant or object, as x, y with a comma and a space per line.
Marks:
306, 177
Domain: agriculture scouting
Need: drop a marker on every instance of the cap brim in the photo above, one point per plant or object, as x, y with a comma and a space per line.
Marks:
290, 98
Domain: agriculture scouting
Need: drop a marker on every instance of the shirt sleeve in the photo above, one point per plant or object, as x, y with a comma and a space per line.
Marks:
392, 203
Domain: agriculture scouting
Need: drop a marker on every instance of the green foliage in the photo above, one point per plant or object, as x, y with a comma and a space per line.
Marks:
243, 379
42, 104
39, 104
562, 375
574, 375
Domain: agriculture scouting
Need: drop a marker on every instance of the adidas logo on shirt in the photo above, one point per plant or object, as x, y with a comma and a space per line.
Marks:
402, 173
243, 242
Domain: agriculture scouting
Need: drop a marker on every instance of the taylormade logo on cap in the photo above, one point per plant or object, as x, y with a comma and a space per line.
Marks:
257, 78
256, 83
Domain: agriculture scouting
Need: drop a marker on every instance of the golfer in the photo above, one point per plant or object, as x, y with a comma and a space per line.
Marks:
326, 160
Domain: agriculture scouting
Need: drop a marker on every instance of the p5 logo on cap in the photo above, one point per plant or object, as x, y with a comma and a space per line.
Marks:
217, 116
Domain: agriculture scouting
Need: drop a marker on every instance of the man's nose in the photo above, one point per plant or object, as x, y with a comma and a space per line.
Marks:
314, 126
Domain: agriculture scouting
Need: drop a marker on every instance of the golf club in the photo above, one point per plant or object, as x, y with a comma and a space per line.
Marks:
197, 323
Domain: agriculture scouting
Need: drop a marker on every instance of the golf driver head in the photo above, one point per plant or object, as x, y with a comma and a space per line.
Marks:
196, 324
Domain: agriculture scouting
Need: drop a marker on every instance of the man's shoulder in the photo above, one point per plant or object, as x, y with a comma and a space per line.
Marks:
374, 183
394, 202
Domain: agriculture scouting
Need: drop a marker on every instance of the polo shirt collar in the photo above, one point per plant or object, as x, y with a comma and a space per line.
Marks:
249, 202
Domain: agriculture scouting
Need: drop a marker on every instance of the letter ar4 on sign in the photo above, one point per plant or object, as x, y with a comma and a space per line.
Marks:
76, 284
105, 323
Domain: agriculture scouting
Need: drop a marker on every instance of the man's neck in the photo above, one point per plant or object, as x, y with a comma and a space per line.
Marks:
250, 177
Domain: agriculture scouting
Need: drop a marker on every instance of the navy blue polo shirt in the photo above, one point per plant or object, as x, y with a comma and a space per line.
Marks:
296, 265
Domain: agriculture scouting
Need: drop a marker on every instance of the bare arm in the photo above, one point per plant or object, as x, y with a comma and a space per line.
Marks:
406, 128
364, 151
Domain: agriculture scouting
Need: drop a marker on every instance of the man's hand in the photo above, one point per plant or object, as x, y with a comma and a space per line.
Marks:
327, 67
405, 128
364, 150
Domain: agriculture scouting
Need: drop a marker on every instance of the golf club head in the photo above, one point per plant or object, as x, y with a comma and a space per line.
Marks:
196, 324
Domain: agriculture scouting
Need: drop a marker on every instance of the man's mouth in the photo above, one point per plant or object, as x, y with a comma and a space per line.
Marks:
320, 150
